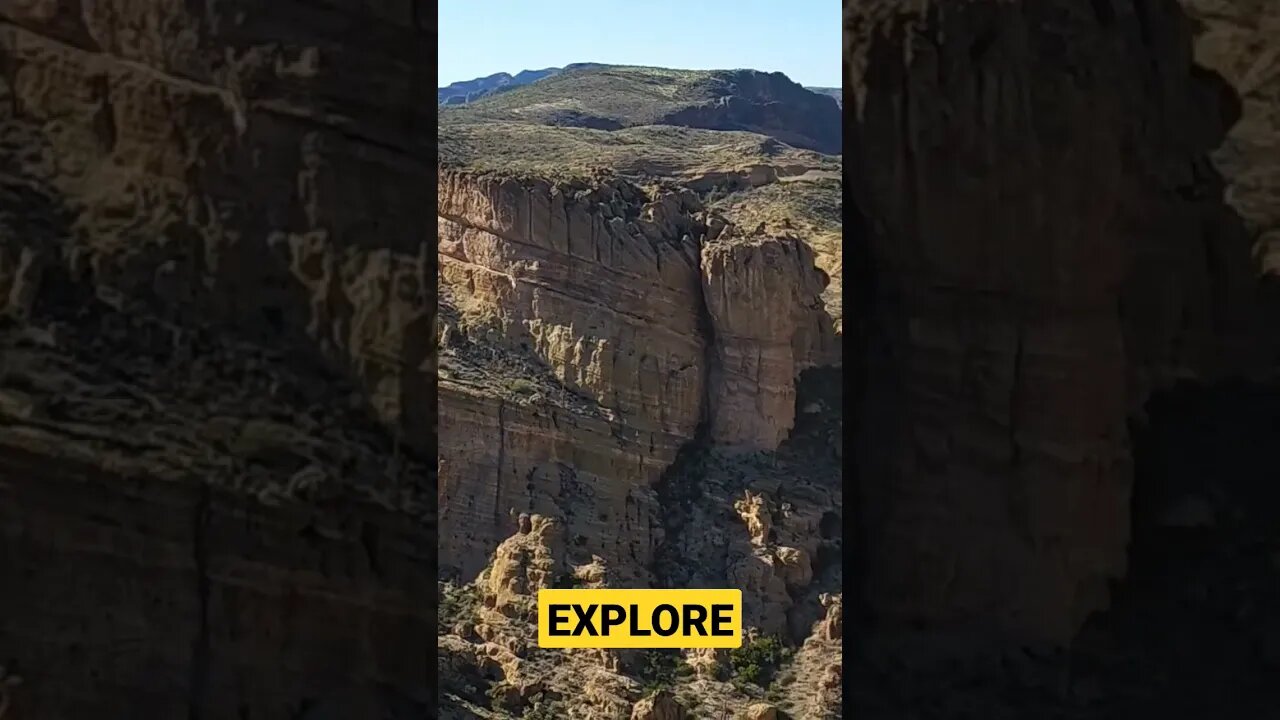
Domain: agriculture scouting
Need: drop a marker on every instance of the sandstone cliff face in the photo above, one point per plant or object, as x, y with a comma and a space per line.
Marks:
217, 320
591, 290
769, 324
609, 318
621, 336
1047, 246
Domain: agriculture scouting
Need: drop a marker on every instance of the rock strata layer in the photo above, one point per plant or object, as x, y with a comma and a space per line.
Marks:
623, 337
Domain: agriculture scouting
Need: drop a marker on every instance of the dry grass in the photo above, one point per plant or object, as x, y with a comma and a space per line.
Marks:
807, 208
611, 118
812, 205
648, 151
621, 96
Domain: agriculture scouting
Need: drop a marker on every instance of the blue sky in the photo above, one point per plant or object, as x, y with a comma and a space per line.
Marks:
801, 38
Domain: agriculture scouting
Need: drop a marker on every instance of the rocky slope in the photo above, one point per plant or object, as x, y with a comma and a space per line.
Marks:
836, 93
624, 338
613, 97
1058, 296
465, 91
216, 406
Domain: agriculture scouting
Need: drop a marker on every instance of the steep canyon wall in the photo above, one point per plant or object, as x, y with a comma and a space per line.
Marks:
625, 322
1048, 246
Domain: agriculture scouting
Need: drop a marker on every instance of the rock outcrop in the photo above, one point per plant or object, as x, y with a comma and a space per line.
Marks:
659, 706
523, 564
611, 382
760, 711
620, 336
749, 285
216, 396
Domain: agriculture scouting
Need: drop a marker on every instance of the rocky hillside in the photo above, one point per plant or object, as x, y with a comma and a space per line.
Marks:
465, 91
1071, 356
639, 387
216, 360
836, 93
618, 97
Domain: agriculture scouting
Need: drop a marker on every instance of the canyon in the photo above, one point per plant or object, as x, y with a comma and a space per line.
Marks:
233, 373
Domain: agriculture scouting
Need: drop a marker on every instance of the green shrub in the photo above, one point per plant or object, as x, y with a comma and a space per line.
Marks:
500, 696
544, 708
756, 661
659, 670
458, 603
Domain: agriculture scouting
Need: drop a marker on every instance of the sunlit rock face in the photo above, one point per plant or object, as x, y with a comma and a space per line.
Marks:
642, 336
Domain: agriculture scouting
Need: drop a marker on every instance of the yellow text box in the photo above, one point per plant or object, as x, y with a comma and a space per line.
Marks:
611, 618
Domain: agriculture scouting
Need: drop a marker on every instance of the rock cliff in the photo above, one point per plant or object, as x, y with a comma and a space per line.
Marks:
615, 324
1037, 276
216, 359
1063, 309
628, 318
